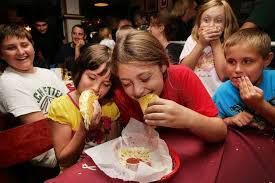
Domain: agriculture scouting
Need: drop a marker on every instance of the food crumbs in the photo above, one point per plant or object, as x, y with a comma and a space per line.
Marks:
79, 173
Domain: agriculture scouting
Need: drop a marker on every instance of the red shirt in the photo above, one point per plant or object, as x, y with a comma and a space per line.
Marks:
181, 85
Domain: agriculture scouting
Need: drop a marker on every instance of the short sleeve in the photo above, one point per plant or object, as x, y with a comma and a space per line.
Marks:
217, 99
58, 112
16, 99
188, 47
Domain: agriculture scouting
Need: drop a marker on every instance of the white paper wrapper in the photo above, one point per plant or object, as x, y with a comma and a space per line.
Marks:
135, 134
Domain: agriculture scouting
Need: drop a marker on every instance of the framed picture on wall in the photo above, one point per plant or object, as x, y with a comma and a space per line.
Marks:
163, 3
151, 6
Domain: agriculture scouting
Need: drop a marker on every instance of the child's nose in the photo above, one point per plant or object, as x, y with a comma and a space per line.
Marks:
96, 88
20, 50
211, 23
138, 91
238, 68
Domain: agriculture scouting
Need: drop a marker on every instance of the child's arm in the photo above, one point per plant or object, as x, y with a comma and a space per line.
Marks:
67, 148
115, 130
192, 59
78, 46
32, 117
219, 58
252, 96
241, 119
206, 36
162, 112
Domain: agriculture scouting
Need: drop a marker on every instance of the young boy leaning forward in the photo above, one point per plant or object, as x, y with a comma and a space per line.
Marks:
248, 98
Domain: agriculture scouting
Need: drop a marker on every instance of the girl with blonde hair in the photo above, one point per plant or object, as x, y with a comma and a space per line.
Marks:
203, 50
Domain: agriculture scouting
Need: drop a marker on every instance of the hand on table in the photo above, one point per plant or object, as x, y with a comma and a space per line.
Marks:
241, 119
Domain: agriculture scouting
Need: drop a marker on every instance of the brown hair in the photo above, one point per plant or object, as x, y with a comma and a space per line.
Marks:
180, 7
251, 37
91, 59
123, 30
105, 32
230, 24
139, 46
170, 23
12, 30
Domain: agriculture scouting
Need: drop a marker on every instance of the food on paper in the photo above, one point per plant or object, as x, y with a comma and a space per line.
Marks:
86, 101
132, 163
130, 157
146, 99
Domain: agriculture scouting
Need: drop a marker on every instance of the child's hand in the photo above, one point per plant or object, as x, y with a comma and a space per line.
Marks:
209, 34
241, 119
251, 95
96, 116
162, 112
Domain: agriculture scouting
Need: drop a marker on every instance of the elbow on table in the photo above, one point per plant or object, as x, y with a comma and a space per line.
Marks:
221, 132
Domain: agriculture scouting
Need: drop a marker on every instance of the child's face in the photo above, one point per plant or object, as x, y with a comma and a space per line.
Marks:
96, 80
139, 80
213, 18
242, 60
18, 53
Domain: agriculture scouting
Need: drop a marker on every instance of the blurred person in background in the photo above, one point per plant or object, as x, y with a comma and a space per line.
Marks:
105, 35
46, 42
263, 17
140, 22
185, 11
69, 52
164, 28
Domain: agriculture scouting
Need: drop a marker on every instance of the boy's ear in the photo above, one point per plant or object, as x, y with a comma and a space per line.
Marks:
268, 59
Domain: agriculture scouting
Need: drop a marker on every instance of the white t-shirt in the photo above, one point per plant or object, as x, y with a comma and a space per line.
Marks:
205, 68
24, 93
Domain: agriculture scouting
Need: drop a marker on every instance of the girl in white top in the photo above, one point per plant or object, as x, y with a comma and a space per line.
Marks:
203, 51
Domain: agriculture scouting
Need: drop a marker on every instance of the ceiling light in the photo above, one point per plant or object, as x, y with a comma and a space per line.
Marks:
101, 4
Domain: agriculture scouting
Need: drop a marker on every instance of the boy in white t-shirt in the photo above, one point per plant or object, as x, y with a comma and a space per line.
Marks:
26, 91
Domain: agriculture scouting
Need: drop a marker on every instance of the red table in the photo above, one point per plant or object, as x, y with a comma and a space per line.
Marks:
202, 162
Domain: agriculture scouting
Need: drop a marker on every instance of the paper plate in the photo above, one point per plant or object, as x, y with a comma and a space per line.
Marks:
176, 164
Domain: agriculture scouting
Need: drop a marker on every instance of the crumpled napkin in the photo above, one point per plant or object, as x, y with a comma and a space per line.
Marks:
135, 134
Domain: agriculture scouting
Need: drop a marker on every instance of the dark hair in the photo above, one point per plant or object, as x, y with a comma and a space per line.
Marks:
41, 19
79, 26
12, 30
90, 59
